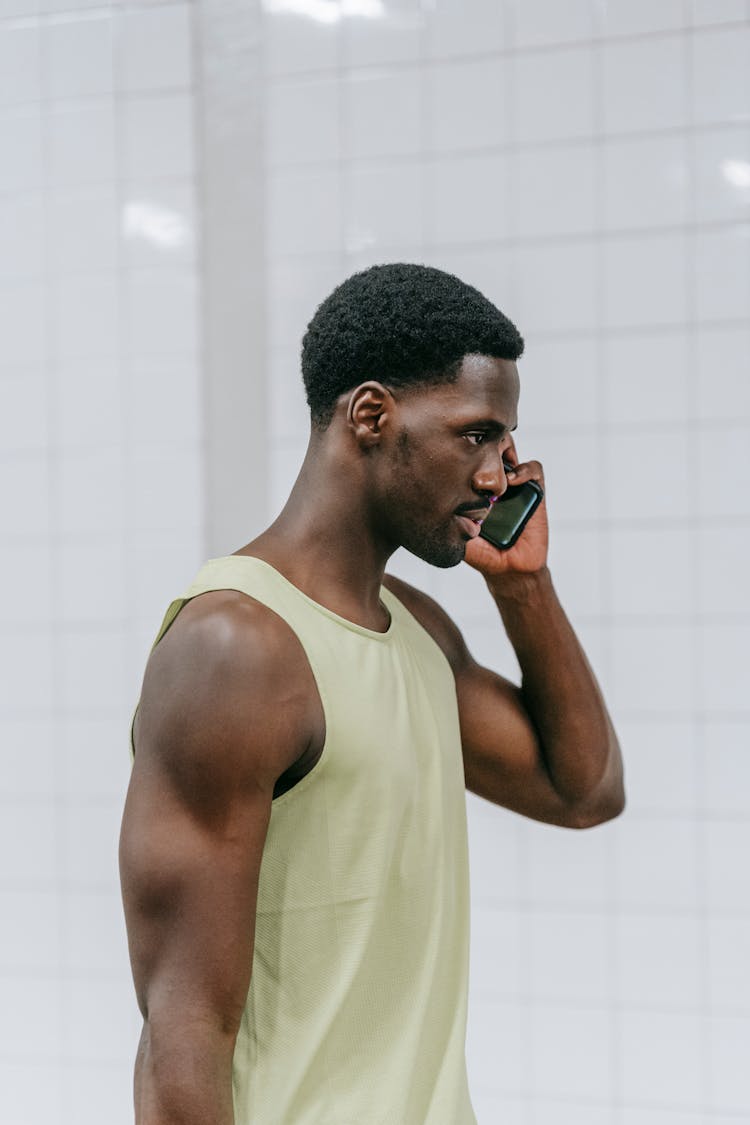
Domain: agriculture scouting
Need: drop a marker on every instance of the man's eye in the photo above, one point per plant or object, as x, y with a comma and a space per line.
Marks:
479, 435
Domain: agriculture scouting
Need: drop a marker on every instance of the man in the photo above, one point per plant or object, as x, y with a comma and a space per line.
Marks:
293, 851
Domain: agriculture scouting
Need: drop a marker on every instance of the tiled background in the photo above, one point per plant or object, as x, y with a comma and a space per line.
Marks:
587, 164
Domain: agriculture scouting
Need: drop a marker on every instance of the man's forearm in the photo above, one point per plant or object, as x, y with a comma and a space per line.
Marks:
560, 691
183, 1077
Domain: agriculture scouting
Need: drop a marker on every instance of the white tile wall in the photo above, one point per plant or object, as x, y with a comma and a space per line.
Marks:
608, 217
96, 116
651, 102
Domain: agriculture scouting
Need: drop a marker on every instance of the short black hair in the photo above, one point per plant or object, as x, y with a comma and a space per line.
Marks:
401, 324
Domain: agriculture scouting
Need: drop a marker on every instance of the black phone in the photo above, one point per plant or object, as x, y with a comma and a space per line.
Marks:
510, 514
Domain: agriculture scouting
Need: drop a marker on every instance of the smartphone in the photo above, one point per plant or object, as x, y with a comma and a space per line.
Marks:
510, 514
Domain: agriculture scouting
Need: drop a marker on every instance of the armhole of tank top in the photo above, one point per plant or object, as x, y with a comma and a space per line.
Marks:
313, 773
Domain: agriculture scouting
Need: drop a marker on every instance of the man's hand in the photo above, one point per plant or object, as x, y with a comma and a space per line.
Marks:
529, 552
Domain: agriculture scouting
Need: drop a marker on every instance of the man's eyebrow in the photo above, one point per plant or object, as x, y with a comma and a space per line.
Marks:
491, 424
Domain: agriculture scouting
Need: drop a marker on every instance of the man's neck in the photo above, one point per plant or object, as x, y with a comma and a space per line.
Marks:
322, 541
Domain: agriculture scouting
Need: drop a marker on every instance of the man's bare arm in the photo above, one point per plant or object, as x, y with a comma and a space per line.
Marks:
546, 750
220, 719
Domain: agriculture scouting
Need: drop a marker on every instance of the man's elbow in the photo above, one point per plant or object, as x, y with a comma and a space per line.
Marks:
591, 814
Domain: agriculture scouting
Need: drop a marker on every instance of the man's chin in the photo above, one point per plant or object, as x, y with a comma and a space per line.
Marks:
443, 555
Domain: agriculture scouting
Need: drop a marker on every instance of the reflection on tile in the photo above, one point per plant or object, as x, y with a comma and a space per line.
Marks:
722, 173
294, 41
394, 36
158, 225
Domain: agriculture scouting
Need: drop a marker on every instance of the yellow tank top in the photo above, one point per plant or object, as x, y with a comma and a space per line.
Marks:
356, 1013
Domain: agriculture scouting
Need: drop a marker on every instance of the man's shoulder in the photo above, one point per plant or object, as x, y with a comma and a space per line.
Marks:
228, 671
229, 629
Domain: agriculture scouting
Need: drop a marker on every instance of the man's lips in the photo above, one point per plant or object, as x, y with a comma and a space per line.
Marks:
471, 523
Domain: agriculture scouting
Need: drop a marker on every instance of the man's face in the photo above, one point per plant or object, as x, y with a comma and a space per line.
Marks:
445, 454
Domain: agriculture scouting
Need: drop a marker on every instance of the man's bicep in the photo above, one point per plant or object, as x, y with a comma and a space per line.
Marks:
189, 890
218, 727
503, 757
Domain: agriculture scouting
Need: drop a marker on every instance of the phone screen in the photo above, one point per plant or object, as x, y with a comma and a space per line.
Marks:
511, 513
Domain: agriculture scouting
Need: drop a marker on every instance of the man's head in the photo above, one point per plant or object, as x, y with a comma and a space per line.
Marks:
405, 325
411, 376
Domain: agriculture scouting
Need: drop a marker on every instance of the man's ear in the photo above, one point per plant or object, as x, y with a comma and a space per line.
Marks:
370, 407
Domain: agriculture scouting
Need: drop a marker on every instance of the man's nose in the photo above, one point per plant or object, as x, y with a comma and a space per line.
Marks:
491, 477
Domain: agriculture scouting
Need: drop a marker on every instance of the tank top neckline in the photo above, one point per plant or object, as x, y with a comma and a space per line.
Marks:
374, 634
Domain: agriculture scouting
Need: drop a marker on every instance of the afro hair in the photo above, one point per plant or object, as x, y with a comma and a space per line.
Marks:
401, 324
